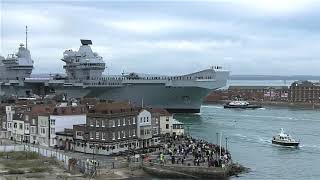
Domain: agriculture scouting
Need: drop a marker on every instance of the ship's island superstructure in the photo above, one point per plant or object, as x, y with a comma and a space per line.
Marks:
84, 78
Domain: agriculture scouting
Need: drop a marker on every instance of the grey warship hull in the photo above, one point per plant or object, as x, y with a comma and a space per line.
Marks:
174, 99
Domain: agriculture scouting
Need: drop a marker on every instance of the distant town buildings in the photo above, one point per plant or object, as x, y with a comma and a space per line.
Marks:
305, 92
255, 93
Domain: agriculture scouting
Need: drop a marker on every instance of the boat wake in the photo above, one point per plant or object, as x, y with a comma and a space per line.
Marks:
256, 139
212, 106
305, 146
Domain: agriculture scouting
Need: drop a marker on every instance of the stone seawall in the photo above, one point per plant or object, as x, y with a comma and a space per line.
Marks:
178, 171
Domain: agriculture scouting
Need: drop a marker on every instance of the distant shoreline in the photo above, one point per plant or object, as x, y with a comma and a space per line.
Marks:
315, 106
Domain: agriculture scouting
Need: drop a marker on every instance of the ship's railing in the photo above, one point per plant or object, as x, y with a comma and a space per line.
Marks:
192, 77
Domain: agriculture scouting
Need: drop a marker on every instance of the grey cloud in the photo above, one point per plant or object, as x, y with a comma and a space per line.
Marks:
165, 37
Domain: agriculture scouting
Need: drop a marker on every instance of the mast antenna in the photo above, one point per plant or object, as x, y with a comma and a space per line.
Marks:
26, 37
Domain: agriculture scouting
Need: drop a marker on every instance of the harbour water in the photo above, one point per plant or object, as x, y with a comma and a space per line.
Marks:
249, 134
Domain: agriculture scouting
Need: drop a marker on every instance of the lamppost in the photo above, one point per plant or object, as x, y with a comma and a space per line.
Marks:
216, 148
94, 147
226, 144
217, 135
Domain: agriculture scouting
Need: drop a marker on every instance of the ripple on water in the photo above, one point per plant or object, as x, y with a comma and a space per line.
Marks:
249, 135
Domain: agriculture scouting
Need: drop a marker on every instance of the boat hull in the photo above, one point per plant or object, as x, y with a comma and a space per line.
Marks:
292, 144
242, 107
174, 99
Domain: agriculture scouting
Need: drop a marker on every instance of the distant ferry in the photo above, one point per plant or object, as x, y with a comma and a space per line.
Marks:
84, 78
284, 139
241, 105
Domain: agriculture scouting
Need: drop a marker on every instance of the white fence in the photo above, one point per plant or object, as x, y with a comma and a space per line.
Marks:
81, 164
60, 156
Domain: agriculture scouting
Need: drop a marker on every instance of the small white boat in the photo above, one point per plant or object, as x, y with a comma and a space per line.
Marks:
284, 139
241, 105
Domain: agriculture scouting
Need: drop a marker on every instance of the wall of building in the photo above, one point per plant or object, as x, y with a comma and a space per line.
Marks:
166, 124
144, 129
43, 130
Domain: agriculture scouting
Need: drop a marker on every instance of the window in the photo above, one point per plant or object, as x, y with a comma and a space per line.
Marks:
52, 131
53, 122
91, 134
144, 119
129, 121
147, 119
97, 123
167, 119
9, 116
141, 120
103, 123
33, 121
27, 127
134, 120
32, 130
79, 133
167, 126
124, 121
124, 134
119, 134
20, 126
141, 132
134, 133
103, 136
43, 130
9, 125
157, 120
27, 117
92, 121
129, 133
113, 123
118, 122
15, 125
155, 131
3, 125
97, 135
113, 136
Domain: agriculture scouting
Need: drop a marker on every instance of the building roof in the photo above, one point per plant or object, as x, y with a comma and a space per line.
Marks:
113, 107
65, 132
161, 111
69, 110
17, 116
174, 121
257, 87
305, 83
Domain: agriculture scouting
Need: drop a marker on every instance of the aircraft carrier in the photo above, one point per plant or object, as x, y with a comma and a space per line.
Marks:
84, 78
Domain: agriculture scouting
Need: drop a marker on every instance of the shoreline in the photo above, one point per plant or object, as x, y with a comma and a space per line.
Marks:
307, 106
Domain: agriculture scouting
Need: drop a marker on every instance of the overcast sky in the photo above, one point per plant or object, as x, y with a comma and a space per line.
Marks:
278, 37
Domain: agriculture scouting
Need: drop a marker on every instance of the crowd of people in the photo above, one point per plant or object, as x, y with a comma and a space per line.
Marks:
189, 151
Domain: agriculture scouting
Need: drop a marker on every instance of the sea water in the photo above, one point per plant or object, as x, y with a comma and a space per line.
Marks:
249, 134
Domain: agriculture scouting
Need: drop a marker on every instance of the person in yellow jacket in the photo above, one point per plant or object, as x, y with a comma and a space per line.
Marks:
161, 158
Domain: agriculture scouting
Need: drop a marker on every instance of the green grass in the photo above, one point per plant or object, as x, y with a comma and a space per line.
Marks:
39, 169
20, 155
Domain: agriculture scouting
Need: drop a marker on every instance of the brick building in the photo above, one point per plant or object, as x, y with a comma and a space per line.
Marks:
304, 91
110, 128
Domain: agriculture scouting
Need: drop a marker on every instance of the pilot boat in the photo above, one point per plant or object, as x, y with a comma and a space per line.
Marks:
284, 139
241, 105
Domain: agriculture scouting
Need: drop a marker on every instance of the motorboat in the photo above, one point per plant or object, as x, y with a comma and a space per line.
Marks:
284, 139
241, 105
